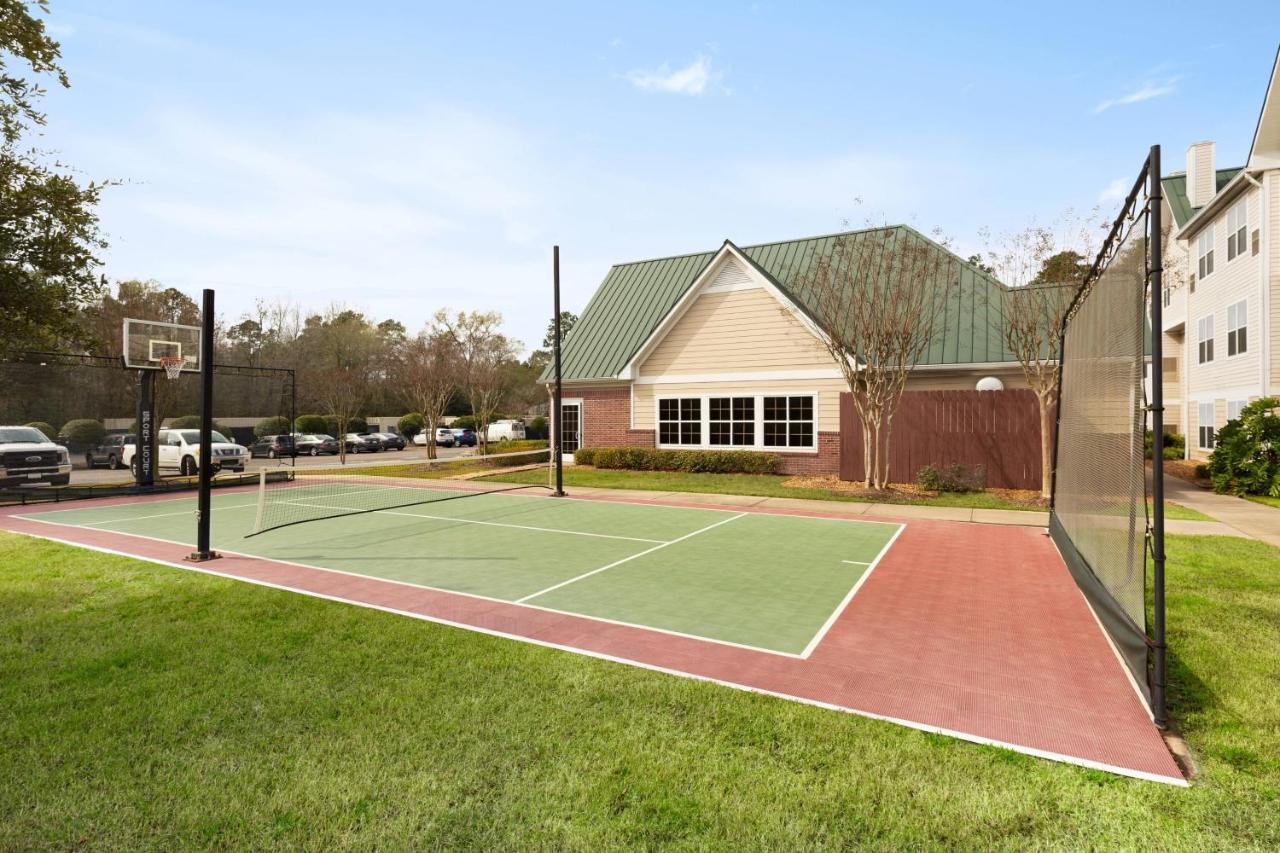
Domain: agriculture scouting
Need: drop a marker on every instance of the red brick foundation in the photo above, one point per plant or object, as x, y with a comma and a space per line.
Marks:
606, 422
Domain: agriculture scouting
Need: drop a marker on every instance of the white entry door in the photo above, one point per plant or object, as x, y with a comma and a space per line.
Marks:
570, 427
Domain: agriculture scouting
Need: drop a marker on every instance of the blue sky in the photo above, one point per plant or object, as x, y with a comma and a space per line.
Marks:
400, 157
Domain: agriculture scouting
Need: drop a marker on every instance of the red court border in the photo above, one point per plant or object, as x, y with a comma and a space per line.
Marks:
970, 630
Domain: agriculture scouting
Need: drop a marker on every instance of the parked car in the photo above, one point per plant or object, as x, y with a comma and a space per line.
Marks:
464, 437
358, 443
114, 452
180, 449
373, 441
315, 445
391, 441
27, 457
273, 447
505, 430
444, 438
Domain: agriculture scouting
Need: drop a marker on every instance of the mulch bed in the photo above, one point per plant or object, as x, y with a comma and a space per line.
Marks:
904, 492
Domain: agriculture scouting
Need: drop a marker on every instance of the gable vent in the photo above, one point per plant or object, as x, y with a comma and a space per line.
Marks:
732, 276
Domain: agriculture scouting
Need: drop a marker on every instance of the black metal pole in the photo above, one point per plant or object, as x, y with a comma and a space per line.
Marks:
203, 550
1159, 707
557, 452
144, 432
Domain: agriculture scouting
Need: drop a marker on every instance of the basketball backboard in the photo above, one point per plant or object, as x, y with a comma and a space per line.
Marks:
147, 342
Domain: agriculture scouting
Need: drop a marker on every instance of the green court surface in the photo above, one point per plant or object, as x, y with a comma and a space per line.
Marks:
769, 582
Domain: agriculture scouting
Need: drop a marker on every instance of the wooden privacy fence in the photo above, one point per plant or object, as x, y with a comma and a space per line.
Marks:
999, 430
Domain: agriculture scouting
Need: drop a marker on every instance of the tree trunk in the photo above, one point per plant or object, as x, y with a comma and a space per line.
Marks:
1046, 447
866, 451
430, 425
883, 473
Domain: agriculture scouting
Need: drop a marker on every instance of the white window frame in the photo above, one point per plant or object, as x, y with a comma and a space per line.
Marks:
758, 420
1204, 253
1234, 407
1204, 341
1237, 230
571, 401
1238, 328
1205, 430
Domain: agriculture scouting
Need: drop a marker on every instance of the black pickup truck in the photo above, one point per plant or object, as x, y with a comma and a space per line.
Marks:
115, 452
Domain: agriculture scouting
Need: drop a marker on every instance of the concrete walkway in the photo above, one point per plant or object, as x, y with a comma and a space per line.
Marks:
1245, 518
853, 509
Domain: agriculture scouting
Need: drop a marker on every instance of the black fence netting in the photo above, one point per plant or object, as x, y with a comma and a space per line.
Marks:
88, 405
1099, 517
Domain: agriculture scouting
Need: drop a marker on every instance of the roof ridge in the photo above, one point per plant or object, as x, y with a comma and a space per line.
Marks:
760, 245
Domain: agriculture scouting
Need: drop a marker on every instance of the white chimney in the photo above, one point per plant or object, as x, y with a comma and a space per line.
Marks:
1202, 179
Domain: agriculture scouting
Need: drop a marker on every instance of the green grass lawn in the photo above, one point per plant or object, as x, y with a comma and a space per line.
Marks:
1264, 499
771, 485
142, 707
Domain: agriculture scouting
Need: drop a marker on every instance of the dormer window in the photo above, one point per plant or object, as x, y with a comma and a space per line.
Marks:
1206, 252
1237, 230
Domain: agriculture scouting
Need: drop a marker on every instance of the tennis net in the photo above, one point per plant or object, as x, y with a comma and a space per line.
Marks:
313, 493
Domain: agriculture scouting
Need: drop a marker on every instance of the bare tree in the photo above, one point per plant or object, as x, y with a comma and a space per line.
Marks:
1043, 267
340, 349
485, 355
427, 375
877, 296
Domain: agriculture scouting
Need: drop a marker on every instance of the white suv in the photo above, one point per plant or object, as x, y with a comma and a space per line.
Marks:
27, 456
180, 449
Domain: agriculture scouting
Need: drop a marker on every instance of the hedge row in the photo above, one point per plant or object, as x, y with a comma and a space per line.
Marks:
689, 461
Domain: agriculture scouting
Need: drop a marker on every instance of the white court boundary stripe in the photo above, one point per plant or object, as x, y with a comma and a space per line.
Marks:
412, 585
831, 620
924, 727
643, 553
142, 517
486, 523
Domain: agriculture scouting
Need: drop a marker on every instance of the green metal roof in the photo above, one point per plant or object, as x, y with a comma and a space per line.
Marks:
1175, 192
634, 298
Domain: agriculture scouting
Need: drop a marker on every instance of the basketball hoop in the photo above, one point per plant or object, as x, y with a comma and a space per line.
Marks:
172, 365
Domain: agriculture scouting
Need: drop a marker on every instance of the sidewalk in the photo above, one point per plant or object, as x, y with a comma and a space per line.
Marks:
1255, 521
899, 511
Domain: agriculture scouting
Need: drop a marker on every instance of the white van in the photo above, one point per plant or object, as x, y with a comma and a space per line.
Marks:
505, 430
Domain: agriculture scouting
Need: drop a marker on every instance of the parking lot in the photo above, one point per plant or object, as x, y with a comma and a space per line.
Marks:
84, 476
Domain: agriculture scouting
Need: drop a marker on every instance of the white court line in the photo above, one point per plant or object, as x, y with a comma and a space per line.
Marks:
144, 517
487, 523
856, 562
493, 632
629, 559
831, 620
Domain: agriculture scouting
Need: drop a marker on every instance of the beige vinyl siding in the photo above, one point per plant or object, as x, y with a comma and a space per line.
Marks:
1273, 250
1231, 282
825, 391
737, 330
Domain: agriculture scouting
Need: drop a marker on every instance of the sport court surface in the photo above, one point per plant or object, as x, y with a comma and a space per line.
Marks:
973, 630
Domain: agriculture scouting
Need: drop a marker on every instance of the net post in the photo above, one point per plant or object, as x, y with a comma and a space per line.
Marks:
1159, 706
204, 550
262, 501
556, 439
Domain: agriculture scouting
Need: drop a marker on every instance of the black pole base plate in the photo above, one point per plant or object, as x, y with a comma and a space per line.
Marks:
202, 556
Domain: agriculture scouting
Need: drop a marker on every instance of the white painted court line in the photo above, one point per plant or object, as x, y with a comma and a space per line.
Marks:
856, 562
831, 620
158, 515
493, 632
629, 559
486, 523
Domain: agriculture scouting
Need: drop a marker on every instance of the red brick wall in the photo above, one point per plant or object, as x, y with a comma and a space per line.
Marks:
606, 417
606, 420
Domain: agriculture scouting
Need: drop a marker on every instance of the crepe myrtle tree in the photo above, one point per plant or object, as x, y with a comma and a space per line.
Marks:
426, 371
1042, 268
341, 349
485, 356
877, 297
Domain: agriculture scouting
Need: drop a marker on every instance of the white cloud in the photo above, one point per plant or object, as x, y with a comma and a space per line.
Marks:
1144, 93
1114, 192
693, 79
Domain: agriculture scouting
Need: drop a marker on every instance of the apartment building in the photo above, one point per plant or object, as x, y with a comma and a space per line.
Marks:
1221, 293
